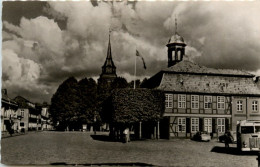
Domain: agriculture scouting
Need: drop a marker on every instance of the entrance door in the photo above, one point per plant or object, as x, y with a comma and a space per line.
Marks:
164, 128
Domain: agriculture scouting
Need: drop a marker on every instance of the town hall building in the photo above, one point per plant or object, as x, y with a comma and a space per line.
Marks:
199, 98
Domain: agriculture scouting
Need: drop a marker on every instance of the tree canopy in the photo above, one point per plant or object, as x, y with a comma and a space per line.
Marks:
64, 103
88, 100
85, 102
134, 105
74, 103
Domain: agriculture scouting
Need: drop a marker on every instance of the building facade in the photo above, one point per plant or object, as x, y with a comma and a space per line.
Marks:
10, 118
199, 98
45, 118
30, 114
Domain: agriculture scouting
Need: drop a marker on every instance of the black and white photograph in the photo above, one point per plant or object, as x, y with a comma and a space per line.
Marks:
130, 83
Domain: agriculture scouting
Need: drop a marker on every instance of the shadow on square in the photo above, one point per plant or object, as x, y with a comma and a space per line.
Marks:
107, 138
232, 151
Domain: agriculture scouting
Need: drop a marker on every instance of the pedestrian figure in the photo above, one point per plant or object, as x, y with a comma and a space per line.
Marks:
228, 139
126, 135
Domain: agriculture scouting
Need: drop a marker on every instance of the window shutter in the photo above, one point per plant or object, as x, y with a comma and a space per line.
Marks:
201, 124
214, 125
226, 124
188, 125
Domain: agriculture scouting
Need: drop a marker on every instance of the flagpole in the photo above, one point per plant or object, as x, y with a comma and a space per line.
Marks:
135, 72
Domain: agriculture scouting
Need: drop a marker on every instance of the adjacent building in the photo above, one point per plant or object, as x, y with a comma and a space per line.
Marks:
30, 114
45, 118
10, 118
199, 98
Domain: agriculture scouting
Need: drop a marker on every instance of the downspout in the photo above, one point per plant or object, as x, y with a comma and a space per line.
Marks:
246, 109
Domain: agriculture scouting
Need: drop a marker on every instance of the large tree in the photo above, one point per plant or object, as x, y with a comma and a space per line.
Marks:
128, 107
104, 92
135, 105
88, 100
75, 103
64, 104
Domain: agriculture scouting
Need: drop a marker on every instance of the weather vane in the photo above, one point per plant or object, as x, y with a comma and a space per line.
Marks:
175, 24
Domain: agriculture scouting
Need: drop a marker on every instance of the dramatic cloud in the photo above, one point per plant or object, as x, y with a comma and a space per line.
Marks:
70, 39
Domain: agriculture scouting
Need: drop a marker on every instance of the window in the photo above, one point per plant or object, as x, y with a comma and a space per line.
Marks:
194, 101
179, 55
221, 102
208, 124
194, 124
257, 129
181, 101
221, 125
21, 123
239, 105
181, 124
22, 113
255, 105
168, 100
207, 102
247, 129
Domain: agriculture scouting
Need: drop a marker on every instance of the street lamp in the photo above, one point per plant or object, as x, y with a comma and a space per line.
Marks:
19, 117
95, 120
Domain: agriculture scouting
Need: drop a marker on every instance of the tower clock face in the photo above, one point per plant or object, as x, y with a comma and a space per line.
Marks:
109, 70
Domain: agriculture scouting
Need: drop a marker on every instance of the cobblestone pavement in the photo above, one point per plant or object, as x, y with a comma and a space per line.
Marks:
57, 148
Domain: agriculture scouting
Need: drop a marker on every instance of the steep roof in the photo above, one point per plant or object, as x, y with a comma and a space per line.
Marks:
186, 66
22, 102
6, 99
190, 77
209, 84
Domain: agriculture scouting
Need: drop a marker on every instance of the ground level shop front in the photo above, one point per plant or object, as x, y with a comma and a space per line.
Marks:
187, 125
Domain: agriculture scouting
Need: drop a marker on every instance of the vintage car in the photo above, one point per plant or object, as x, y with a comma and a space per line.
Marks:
202, 136
222, 138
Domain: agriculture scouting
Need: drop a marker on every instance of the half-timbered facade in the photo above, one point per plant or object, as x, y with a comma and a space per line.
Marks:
199, 98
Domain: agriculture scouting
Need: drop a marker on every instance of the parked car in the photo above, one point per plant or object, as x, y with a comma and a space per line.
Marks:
222, 138
202, 136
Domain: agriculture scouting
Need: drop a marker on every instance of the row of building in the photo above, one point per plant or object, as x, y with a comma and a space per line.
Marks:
21, 115
199, 98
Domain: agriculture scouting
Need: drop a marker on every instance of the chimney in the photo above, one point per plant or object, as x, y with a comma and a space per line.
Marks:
4, 91
257, 81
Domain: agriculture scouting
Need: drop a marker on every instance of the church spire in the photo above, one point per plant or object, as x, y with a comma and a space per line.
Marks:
109, 68
109, 53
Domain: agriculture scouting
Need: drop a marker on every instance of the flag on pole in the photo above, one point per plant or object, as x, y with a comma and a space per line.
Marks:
138, 54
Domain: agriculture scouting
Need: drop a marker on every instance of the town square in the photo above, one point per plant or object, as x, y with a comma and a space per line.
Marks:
79, 148
130, 83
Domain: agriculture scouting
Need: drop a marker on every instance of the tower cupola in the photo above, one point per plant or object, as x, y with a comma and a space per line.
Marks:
176, 48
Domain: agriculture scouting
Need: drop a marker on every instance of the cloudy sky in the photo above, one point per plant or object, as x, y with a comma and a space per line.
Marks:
46, 42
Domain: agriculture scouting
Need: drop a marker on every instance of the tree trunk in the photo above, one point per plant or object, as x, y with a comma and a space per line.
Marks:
140, 130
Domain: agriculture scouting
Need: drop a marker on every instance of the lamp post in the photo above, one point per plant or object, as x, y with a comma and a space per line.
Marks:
95, 120
19, 117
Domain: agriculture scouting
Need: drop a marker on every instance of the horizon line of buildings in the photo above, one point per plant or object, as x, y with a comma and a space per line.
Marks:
21, 115
197, 98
